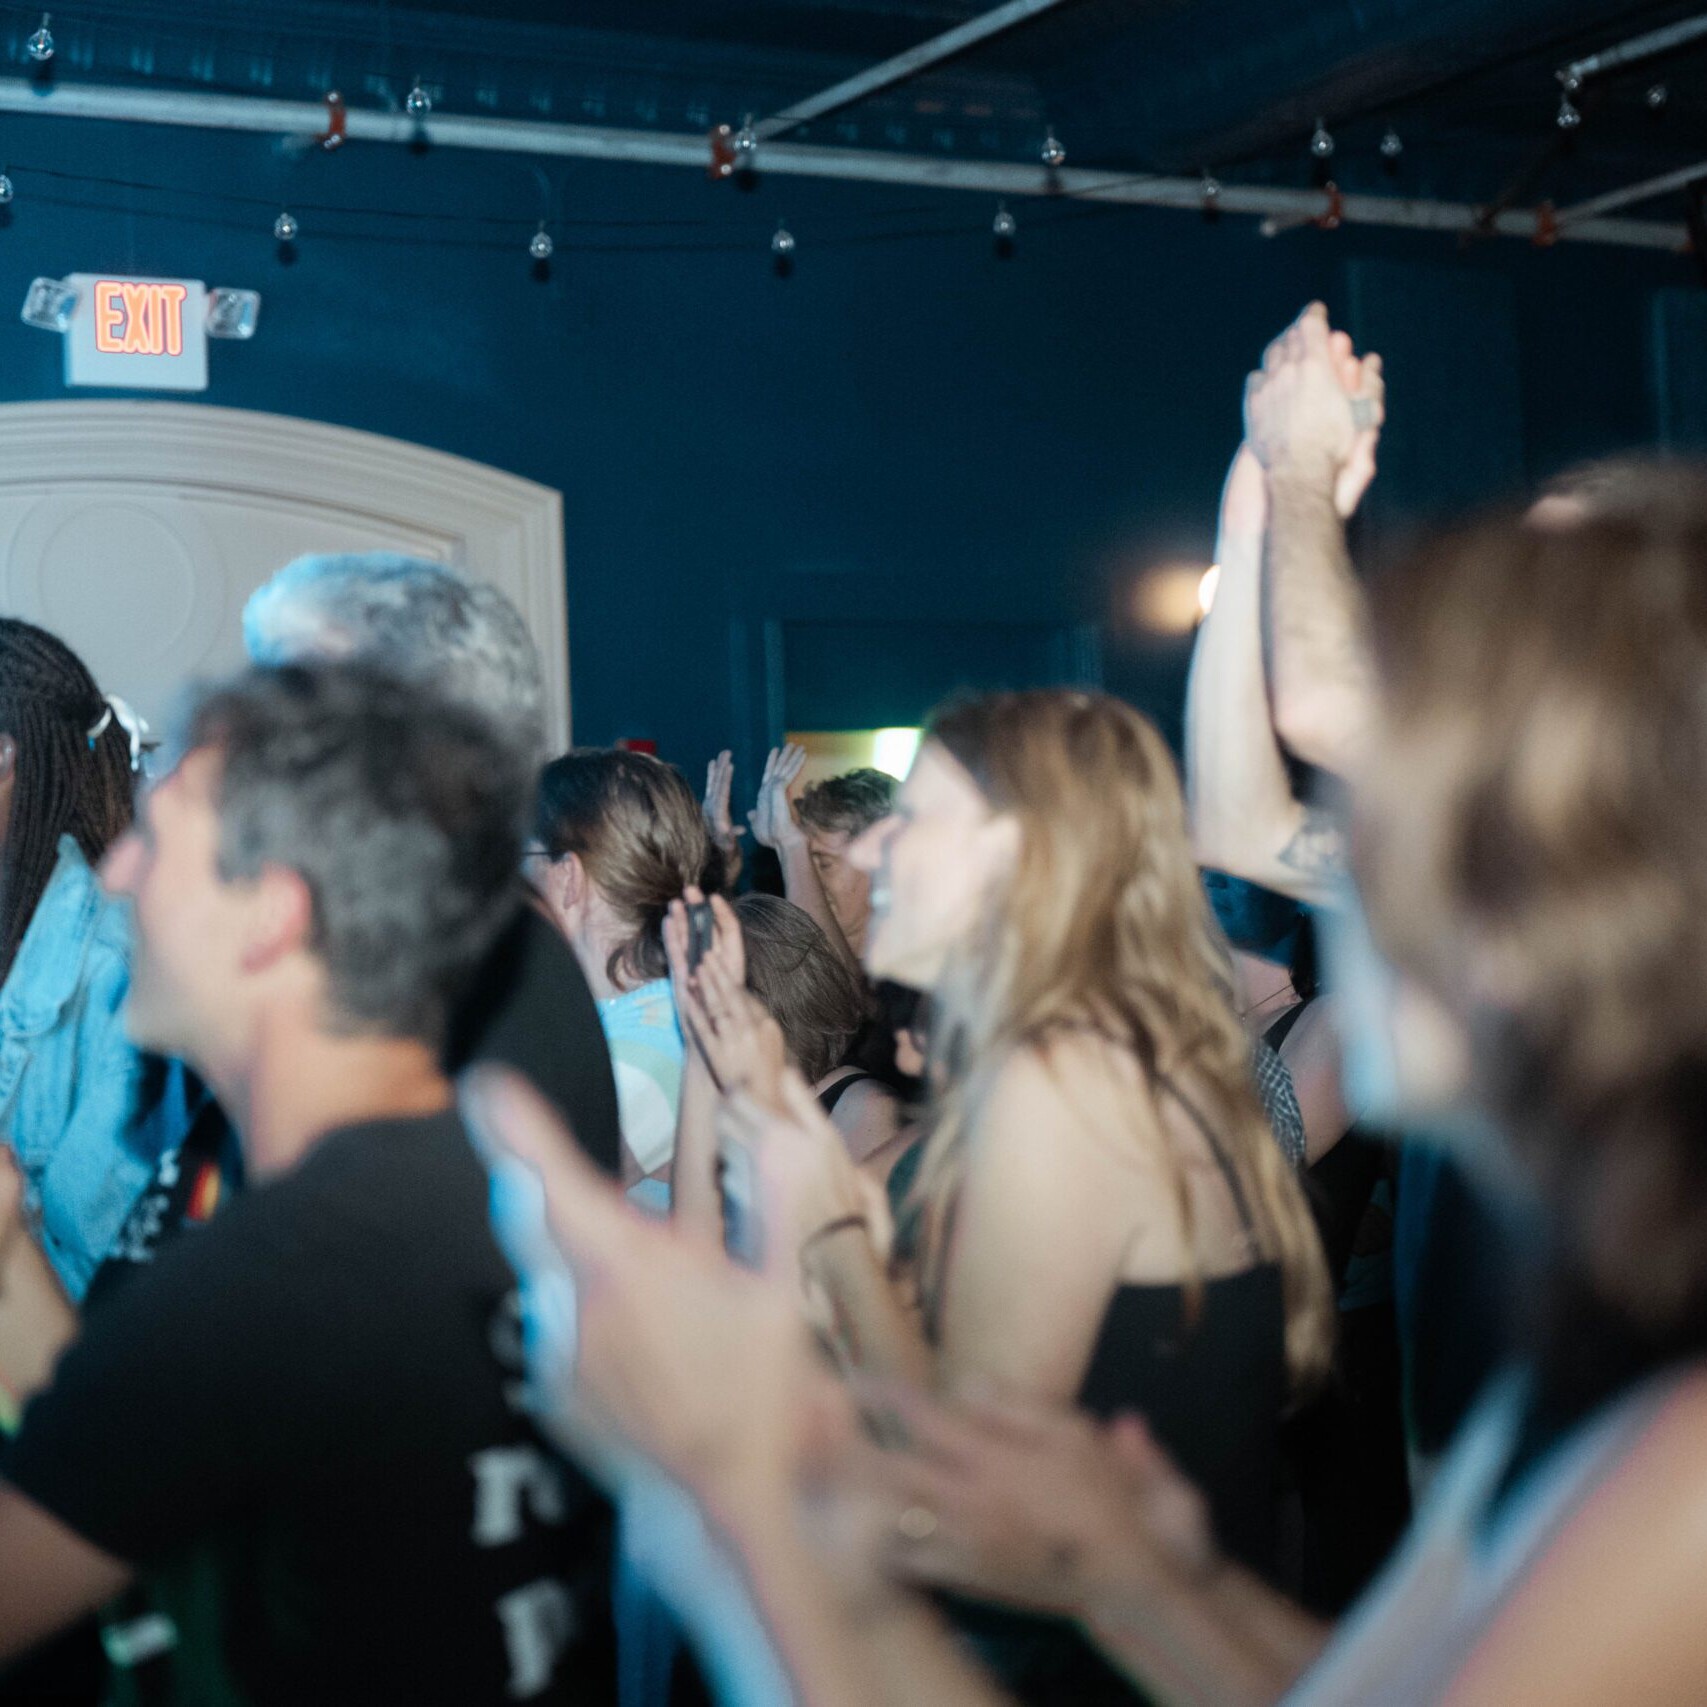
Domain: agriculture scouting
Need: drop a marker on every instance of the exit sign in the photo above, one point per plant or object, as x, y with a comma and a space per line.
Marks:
142, 334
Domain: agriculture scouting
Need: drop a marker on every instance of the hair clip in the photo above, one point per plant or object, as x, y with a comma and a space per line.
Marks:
132, 723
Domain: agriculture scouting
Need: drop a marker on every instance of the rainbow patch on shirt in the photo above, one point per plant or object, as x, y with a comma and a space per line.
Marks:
204, 1194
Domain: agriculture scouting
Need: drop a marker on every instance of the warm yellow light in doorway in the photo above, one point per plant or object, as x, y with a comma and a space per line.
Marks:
893, 750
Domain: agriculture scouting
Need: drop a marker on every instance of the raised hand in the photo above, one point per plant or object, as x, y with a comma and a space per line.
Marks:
773, 820
730, 1027
719, 777
1298, 407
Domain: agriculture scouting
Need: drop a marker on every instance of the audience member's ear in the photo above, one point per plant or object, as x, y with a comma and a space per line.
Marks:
280, 919
568, 883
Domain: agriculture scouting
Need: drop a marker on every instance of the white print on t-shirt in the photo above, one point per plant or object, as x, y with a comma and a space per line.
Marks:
509, 1483
539, 1623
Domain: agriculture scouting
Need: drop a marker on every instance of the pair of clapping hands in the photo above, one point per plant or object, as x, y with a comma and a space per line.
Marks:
654, 1356
1315, 409
765, 1109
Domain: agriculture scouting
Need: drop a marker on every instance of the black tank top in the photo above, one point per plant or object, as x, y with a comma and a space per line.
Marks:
1211, 1384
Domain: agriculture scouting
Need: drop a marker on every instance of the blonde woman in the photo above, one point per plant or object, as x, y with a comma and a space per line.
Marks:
1105, 1221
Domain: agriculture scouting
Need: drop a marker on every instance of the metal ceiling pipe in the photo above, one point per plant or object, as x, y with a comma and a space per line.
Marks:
904, 65
1633, 193
588, 142
1648, 46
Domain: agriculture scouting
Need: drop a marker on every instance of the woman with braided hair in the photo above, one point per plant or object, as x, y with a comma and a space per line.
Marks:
67, 1074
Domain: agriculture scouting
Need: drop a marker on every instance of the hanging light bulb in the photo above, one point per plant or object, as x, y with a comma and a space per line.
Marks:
746, 145
540, 244
1053, 154
5, 188
1657, 97
1004, 225
1209, 188
782, 241
1391, 145
417, 103
1569, 117
285, 228
1322, 141
41, 43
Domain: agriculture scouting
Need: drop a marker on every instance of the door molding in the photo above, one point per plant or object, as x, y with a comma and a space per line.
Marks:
497, 526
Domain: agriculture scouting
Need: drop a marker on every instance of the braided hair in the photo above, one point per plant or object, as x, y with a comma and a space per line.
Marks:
64, 782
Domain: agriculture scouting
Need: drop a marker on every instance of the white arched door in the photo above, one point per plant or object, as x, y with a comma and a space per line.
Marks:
136, 530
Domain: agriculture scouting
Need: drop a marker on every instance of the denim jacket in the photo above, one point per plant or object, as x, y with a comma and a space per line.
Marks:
68, 1074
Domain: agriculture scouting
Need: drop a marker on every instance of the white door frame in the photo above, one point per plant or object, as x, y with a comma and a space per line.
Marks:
497, 526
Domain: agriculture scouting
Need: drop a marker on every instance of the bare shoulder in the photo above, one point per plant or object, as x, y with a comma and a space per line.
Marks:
1635, 1553
1084, 1090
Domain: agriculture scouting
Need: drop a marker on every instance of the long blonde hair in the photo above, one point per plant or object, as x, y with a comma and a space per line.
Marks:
1103, 921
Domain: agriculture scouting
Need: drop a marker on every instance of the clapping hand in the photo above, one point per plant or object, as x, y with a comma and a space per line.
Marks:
730, 1027
1315, 408
1036, 1507
773, 820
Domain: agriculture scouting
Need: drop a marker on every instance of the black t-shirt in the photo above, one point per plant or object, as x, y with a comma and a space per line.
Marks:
529, 1007
307, 1417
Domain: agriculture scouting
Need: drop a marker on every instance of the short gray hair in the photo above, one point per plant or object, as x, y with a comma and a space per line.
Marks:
420, 621
401, 813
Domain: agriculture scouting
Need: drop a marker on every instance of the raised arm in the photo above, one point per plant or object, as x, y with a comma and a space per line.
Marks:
1245, 818
1311, 439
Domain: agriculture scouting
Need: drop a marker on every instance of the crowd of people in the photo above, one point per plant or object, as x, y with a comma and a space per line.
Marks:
477, 1225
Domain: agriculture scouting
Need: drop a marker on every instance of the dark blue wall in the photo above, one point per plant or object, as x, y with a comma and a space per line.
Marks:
900, 433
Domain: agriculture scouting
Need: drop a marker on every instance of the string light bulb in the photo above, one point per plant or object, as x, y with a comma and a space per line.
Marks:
1392, 146
40, 43
746, 144
1004, 225
5, 188
1569, 116
1657, 96
1209, 188
1053, 155
1322, 141
782, 241
285, 227
417, 103
540, 245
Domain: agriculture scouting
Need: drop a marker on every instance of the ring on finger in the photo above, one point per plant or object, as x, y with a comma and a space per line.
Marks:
917, 1523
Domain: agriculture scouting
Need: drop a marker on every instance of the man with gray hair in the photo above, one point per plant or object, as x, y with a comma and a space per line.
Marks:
325, 1446
428, 624
415, 619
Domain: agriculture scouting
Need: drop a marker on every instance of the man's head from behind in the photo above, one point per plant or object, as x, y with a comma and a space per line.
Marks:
833, 813
332, 844
423, 622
